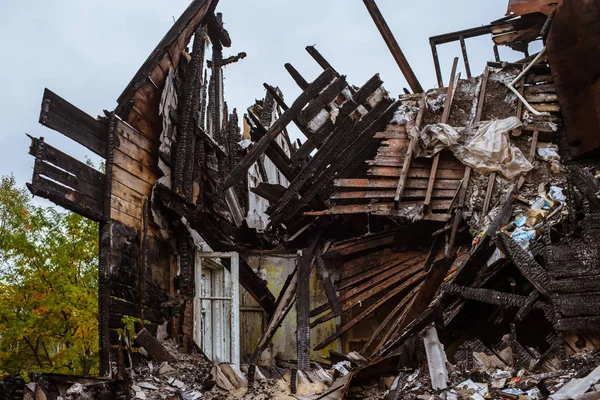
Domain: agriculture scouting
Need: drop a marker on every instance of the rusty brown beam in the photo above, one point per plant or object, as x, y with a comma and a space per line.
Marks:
393, 45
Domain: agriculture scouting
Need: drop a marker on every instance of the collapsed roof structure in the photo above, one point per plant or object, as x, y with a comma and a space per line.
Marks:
468, 212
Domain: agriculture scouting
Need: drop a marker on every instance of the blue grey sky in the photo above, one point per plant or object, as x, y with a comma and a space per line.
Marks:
88, 50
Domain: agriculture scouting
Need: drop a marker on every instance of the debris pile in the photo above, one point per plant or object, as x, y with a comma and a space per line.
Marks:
441, 244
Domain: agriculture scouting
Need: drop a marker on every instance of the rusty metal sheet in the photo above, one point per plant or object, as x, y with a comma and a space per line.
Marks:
522, 7
573, 52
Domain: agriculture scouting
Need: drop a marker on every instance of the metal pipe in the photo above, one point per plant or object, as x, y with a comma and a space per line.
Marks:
511, 86
393, 45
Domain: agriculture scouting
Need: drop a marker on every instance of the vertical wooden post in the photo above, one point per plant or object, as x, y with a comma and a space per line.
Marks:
303, 310
463, 47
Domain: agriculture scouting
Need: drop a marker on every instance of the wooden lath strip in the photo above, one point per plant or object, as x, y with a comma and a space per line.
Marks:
445, 116
396, 291
390, 183
393, 314
409, 152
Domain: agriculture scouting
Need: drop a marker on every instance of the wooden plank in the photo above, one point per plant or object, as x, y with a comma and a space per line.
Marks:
354, 279
543, 88
409, 152
387, 160
67, 179
393, 314
445, 116
126, 219
377, 209
126, 207
133, 182
350, 301
62, 116
415, 173
390, 183
179, 33
344, 328
68, 163
134, 167
67, 198
409, 194
141, 123
126, 193
124, 130
546, 107
136, 153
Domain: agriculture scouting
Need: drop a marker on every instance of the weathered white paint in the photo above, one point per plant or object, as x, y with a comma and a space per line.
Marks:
216, 304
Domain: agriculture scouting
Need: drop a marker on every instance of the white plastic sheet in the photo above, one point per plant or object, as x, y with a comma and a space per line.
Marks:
489, 150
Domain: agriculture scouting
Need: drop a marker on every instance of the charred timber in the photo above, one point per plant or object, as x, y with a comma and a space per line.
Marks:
183, 168
278, 127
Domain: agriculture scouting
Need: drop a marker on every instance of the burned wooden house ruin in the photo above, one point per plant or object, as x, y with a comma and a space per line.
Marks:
463, 217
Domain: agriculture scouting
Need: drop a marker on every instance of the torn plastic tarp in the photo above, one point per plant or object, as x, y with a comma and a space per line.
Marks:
489, 150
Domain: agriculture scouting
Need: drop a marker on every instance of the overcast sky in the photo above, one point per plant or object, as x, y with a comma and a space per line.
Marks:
88, 50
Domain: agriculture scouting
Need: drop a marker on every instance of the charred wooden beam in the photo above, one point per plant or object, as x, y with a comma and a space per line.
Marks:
393, 45
578, 324
180, 32
525, 262
586, 183
155, 349
67, 198
278, 127
323, 275
84, 172
104, 267
228, 60
299, 79
217, 31
497, 298
318, 57
185, 145
303, 311
463, 47
350, 139
276, 94
275, 153
328, 95
317, 138
208, 228
528, 306
64, 117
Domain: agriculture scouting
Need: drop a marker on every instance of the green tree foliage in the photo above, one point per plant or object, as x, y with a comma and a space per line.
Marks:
48, 287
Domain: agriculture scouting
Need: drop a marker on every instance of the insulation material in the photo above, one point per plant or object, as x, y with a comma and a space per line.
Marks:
317, 122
